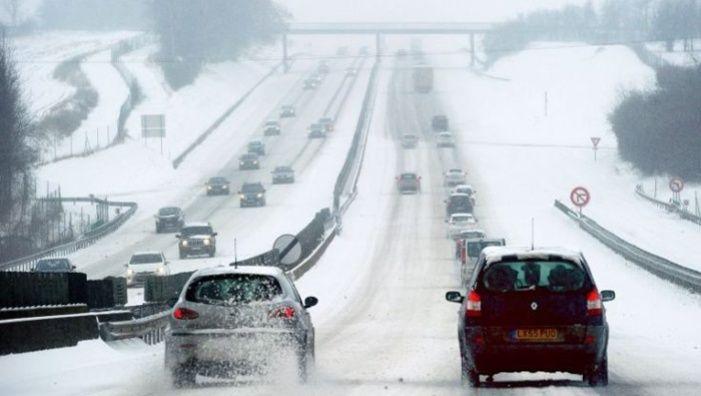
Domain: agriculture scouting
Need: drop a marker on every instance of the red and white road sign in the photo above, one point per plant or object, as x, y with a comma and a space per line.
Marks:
580, 197
595, 141
676, 184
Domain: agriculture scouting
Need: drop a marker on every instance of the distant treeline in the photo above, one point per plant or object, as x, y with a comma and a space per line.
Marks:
624, 21
95, 14
660, 131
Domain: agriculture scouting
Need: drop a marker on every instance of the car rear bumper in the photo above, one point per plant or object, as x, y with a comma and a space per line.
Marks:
229, 346
575, 358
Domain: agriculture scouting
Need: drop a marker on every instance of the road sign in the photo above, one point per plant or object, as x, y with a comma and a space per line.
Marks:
580, 197
595, 141
153, 125
676, 185
289, 249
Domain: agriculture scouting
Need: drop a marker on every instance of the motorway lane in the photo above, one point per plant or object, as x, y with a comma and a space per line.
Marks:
290, 148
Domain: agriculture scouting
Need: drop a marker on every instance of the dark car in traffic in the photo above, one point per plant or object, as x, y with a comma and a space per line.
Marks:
439, 123
271, 128
238, 321
287, 111
409, 183
58, 264
256, 147
217, 185
458, 203
532, 310
283, 175
317, 131
252, 194
197, 239
249, 161
170, 218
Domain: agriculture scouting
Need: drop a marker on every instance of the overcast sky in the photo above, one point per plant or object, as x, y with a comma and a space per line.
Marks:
415, 10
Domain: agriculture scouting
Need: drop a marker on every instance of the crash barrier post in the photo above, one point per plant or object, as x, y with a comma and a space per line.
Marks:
107, 293
351, 166
655, 264
27, 263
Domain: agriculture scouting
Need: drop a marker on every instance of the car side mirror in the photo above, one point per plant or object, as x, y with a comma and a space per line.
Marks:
73, 267
608, 295
177, 236
215, 234
166, 262
454, 296
310, 302
126, 265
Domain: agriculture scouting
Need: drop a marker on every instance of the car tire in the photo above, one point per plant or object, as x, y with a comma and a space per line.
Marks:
598, 375
158, 229
182, 255
469, 376
184, 375
211, 254
305, 364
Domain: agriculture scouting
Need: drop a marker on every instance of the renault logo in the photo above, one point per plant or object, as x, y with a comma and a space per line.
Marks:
534, 306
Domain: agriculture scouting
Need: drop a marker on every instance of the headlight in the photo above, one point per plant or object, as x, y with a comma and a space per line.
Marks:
242, 196
183, 242
130, 272
207, 242
225, 187
255, 162
161, 270
209, 187
260, 195
241, 163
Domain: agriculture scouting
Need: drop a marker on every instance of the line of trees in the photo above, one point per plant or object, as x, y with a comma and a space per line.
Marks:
194, 32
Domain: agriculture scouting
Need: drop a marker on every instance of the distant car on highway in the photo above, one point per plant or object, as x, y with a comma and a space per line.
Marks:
58, 264
283, 175
439, 123
256, 147
169, 218
351, 72
252, 194
409, 140
311, 83
445, 139
327, 123
238, 320
469, 250
287, 111
271, 128
532, 310
249, 161
217, 185
409, 183
454, 177
317, 131
144, 264
459, 222
458, 203
323, 67
197, 239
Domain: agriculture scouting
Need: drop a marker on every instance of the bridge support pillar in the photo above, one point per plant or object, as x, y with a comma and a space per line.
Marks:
285, 60
472, 49
378, 46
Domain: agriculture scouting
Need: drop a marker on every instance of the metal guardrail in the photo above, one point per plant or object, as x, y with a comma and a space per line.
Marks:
27, 263
668, 206
653, 263
151, 329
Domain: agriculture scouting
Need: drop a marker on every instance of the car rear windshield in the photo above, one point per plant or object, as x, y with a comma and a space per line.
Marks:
168, 211
218, 180
145, 259
230, 289
514, 276
252, 188
204, 230
53, 265
408, 176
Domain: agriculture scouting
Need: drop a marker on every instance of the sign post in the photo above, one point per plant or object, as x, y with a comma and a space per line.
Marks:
676, 184
580, 197
595, 142
153, 125
289, 250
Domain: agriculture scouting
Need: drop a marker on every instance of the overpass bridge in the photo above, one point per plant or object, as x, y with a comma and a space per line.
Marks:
378, 29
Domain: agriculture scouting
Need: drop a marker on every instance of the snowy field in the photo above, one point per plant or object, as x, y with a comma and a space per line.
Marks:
383, 326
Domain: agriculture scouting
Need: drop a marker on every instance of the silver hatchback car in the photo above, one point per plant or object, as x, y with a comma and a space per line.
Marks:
232, 322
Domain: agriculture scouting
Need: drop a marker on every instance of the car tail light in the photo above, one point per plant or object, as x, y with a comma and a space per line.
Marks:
185, 314
474, 305
594, 305
282, 312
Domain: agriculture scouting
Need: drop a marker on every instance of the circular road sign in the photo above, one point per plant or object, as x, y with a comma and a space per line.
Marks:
676, 184
289, 249
580, 197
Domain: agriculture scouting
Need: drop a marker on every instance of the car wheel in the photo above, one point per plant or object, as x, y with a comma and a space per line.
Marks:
305, 364
469, 376
158, 229
211, 254
182, 255
598, 375
184, 375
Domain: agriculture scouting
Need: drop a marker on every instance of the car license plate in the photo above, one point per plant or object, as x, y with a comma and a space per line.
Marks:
536, 335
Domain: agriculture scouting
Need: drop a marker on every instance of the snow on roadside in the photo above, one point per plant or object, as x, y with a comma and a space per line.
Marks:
676, 57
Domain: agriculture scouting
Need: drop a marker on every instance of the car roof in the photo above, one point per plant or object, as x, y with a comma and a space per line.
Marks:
463, 186
255, 142
457, 195
455, 170
197, 224
242, 269
283, 167
461, 214
252, 184
249, 155
494, 254
147, 253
